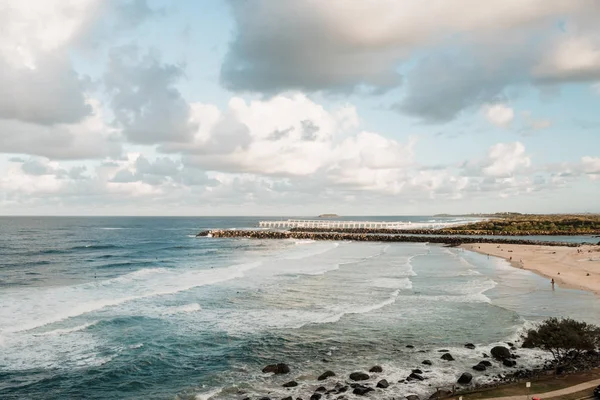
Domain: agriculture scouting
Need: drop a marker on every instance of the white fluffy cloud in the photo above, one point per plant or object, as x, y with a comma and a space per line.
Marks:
591, 166
499, 114
504, 159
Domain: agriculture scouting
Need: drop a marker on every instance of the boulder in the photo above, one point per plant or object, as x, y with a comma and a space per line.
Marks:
447, 357
417, 371
290, 384
470, 346
443, 351
509, 363
376, 368
362, 390
415, 377
500, 352
265, 398
410, 346
485, 355
321, 389
412, 397
325, 375
288, 398
486, 363
359, 376
427, 362
277, 368
479, 367
465, 378
315, 396
383, 384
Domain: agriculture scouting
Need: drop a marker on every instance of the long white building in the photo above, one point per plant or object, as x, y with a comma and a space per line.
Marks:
331, 224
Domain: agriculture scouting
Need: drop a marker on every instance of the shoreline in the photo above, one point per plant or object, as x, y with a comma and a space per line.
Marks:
573, 268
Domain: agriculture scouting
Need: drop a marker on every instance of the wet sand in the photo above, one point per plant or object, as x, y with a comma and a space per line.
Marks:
571, 267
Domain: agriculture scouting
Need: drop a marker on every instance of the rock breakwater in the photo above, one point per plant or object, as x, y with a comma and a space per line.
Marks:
369, 237
448, 231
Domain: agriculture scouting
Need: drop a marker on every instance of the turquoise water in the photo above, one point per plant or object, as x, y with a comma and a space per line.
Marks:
106, 308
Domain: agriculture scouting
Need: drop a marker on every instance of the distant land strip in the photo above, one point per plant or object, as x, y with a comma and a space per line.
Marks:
453, 231
368, 237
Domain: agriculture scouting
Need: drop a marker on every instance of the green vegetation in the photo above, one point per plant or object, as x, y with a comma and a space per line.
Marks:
565, 338
586, 224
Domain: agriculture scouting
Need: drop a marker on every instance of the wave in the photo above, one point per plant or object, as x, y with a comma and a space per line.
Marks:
58, 304
187, 308
67, 330
96, 247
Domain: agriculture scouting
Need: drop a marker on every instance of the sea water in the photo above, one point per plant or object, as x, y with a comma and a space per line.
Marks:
128, 308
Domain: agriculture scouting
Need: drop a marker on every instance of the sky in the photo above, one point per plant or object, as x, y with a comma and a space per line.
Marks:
299, 107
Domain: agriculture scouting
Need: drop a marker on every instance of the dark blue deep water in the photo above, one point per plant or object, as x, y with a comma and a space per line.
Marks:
139, 308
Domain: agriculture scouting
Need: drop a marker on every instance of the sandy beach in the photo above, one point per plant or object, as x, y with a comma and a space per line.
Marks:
571, 267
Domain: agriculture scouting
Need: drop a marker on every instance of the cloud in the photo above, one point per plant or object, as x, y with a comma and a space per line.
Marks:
344, 46
146, 104
90, 138
573, 58
499, 114
505, 159
591, 167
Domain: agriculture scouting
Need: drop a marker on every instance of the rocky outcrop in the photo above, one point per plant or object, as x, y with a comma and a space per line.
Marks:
383, 384
465, 379
447, 357
359, 376
325, 375
500, 353
277, 369
376, 369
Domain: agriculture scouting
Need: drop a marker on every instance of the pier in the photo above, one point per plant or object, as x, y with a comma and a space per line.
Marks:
331, 224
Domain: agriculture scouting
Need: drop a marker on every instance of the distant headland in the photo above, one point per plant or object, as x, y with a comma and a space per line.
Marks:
328, 216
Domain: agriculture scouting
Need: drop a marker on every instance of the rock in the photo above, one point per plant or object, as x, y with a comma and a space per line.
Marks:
277, 368
383, 384
321, 389
465, 378
485, 355
509, 363
500, 352
479, 367
264, 398
470, 346
510, 344
376, 368
486, 363
315, 396
414, 376
359, 376
362, 390
290, 384
427, 362
410, 346
417, 371
443, 351
412, 397
325, 375
288, 398
447, 357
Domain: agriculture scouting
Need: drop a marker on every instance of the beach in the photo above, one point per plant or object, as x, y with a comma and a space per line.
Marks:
571, 267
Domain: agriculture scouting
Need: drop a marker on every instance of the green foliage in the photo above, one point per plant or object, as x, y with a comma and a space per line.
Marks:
532, 224
564, 338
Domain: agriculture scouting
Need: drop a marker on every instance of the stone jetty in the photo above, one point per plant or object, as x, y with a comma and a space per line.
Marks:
371, 237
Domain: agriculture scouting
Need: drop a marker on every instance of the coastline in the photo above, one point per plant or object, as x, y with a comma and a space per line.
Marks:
568, 266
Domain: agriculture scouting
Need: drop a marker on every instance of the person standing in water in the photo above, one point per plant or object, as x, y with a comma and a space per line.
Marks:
552, 282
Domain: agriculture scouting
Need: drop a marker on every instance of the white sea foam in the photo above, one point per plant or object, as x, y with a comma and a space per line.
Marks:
208, 395
187, 308
65, 331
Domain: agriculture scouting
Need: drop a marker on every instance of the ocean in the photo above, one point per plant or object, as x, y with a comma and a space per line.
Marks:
139, 308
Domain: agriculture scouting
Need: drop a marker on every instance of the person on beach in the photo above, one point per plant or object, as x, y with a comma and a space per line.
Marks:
552, 282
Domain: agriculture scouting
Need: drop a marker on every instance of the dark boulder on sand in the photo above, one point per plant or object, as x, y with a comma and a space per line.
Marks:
321, 389
417, 371
277, 368
447, 357
315, 396
290, 384
486, 363
500, 353
376, 368
470, 346
359, 376
479, 367
427, 362
325, 375
383, 384
465, 379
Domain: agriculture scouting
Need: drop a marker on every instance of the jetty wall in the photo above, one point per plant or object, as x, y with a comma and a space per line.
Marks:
364, 237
